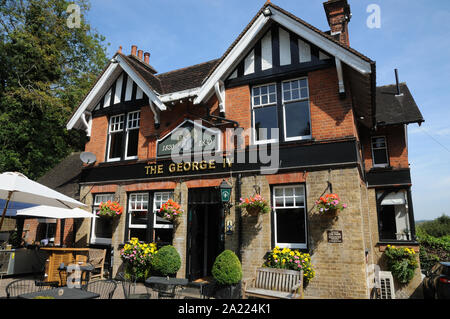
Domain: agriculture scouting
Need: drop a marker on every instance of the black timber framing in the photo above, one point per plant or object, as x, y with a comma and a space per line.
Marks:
291, 157
390, 177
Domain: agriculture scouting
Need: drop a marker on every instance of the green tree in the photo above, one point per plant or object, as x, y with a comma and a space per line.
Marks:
438, 227
46, 68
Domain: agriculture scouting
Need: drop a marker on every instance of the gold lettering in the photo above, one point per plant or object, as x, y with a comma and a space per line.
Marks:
226, 162
203, 165
160, 169
179, 167
172, 167
187, 166
153, 170
212, 164
146, 169
195, 166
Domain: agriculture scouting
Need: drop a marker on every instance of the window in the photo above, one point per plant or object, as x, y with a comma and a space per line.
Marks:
379, 152
393, 216
162, 228
264, 105
290, 216
138, 214
297, 124
101, 227
118, 131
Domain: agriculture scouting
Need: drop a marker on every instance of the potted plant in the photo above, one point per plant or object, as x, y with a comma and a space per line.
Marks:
255, 205
401, 262
290, 259
166, 262
110, 209
330, 204
227, 272
137, 258
171, 211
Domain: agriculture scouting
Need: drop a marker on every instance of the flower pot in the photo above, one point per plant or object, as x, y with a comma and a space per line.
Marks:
253, 211
227, 291
331, 212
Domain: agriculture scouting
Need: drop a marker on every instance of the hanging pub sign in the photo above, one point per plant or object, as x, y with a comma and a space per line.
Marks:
334, 236
189, 137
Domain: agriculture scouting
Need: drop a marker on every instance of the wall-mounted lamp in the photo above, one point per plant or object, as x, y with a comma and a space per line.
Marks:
225, 195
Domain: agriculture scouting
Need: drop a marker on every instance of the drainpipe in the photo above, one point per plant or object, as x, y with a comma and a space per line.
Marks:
239, 213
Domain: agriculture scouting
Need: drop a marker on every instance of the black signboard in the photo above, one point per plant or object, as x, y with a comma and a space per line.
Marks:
334, 236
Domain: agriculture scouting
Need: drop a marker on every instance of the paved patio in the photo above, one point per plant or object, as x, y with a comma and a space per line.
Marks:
118, 293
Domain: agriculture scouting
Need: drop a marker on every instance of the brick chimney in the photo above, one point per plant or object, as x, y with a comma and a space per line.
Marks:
147, 57
338, 16
133, 49
140, 53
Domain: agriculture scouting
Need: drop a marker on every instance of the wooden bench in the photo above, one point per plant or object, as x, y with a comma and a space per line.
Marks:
271, 283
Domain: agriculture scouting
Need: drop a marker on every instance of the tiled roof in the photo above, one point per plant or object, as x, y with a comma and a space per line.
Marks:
393, 109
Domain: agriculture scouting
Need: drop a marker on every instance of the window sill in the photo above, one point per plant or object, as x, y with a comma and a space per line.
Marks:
407, 244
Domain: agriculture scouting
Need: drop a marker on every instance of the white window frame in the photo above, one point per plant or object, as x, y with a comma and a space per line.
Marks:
110, 124
275, 207
128, 129
102, 198
300, 99
155, 209
379, 148
130, 210
401, 211
273, 140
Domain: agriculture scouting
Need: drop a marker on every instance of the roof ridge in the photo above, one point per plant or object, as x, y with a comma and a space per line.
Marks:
142, 62
185, 68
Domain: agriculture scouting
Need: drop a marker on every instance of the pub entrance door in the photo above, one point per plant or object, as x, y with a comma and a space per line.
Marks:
205, 231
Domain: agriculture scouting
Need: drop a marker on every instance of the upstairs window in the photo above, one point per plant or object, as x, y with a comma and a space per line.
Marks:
393, 216
264, 107
379, 152
297, 124
123, 136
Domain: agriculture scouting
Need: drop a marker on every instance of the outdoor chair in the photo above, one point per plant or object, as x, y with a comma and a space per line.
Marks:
23, 286
104, 287
96, 257
129, 287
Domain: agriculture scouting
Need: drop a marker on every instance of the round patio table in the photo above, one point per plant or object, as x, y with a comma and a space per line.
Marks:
61, 293
165, 286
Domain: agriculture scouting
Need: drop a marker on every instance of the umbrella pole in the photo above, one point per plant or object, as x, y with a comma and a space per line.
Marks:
4, 210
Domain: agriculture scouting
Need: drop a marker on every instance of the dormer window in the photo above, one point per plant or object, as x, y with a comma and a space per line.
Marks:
379, 152
123, 136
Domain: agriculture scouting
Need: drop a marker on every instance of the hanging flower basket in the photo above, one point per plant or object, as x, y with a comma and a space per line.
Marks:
110, 209
255, 205
330, 205
171, 211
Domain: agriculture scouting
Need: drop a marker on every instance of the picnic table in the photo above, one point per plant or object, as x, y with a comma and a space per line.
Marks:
61, 293
165, 286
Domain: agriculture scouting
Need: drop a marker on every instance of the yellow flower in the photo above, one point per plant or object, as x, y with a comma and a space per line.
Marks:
291, 253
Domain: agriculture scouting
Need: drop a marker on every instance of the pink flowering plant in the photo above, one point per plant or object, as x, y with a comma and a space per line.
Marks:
256, 202
137, 258
171, 210
290, 259
330, 202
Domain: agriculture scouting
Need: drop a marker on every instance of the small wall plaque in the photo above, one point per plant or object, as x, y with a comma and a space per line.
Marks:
334, 236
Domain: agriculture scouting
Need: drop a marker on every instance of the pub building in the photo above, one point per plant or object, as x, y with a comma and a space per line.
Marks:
289, 112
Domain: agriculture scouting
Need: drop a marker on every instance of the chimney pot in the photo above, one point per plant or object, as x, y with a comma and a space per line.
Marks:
140, 52
133, 49
147, 57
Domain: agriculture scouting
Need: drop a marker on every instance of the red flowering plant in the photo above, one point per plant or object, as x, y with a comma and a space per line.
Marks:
254, 205
171, 210
330, 203
110, 209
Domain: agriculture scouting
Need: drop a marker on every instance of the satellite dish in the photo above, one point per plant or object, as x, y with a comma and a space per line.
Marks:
88, 157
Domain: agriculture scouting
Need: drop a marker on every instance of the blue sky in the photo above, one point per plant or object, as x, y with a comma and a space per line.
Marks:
414, 37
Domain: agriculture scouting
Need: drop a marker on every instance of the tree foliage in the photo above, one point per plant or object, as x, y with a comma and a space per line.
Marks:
45, 70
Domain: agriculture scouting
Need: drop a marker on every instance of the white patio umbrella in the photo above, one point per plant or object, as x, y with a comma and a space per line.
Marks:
17, 187
55, 212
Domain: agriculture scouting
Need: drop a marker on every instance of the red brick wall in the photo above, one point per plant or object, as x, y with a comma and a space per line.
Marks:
99, 136
331, 117
30, 230
396, 142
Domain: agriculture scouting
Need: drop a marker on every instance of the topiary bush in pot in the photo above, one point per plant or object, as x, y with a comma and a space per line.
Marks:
166, 262
227, 272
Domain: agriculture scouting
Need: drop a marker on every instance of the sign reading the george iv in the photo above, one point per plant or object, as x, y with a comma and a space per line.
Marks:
189, 137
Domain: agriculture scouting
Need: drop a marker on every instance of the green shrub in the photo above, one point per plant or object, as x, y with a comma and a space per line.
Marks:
167, 261
438, 227
227, 269
402, 263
